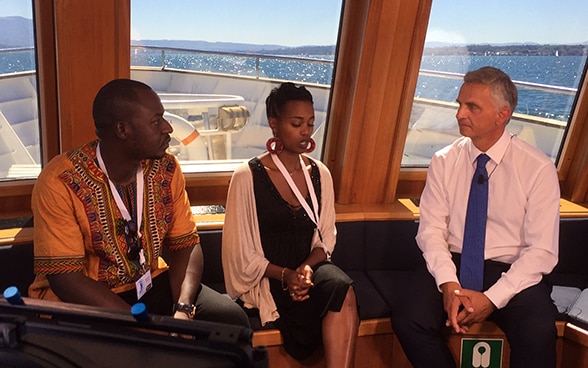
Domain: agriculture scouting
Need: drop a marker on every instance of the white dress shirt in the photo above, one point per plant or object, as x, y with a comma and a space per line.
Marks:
523, 213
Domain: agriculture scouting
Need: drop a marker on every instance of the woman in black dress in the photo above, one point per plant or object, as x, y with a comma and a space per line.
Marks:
279, 234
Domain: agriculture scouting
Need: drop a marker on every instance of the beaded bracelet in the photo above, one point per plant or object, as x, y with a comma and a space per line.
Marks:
282, 278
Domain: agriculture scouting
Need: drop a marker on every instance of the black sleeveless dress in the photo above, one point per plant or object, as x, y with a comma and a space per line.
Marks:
286, 236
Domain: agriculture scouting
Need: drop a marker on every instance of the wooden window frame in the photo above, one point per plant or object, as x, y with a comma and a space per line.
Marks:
379, 54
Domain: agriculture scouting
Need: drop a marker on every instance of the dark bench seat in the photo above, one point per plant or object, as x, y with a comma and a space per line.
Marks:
380, 257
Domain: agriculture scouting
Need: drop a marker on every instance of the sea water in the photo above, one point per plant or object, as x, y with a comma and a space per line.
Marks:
559, 71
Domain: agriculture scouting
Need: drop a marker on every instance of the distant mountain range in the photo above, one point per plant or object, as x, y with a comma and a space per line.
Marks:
520, 49
238, 47
205, 45
16, 32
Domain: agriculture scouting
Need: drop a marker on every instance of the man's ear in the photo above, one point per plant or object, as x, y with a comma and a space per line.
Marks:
504, 115
121, 129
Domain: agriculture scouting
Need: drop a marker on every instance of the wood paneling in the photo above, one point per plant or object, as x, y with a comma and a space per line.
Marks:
370, 112
15, 199
47, 79
574, 163
82, 44
575, 347
93, 46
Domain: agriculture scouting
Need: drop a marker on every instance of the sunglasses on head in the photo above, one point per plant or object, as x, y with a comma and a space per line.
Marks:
133, 240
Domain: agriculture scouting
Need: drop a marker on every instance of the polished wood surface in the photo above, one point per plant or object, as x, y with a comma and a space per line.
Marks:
574, 161
377, 346
575, 347
369, 119
93, 42
379, 52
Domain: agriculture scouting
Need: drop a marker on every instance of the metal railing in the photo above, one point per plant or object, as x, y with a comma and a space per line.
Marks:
257, 58
164, 53
521, 84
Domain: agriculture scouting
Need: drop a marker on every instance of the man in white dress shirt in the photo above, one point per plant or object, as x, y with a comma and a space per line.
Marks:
521, 241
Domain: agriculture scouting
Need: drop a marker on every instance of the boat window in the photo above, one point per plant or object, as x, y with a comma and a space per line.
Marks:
213, 63
540, 44
20, 154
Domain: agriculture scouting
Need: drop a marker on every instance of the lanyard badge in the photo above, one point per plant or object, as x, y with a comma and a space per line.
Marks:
136, 254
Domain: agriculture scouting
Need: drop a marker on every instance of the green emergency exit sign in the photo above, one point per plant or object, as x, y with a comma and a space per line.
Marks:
477, 353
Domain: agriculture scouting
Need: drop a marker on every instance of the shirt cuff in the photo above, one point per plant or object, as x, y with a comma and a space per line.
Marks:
499, 295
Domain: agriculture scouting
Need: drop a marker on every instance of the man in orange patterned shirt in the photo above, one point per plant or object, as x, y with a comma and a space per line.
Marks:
105, 212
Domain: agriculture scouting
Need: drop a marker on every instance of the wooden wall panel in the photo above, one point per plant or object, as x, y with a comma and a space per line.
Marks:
375, 116
81, 44
84, 43
47, 79
348, 61
93, 47
573, 166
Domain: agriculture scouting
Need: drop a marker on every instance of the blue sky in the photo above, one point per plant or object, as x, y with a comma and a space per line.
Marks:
315, 22
16, 7
282, 22
500, 21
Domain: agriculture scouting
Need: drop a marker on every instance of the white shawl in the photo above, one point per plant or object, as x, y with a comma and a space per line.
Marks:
243, 259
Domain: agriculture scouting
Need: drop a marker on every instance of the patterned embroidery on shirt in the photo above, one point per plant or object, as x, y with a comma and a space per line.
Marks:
90, 185
183, 241
49, 266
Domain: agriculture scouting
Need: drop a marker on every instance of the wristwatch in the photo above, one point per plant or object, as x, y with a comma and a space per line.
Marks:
189, 309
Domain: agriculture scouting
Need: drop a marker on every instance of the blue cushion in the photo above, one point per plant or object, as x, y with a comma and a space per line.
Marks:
211, 242
371, 304
389, 284
16, 267
349, 253
390, 245
564, 298
571, 268
578, 313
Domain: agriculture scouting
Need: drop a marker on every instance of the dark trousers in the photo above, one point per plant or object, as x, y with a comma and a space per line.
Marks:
210, 305
528, 320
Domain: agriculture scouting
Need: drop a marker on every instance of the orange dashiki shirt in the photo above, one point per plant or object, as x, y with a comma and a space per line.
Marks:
78, 226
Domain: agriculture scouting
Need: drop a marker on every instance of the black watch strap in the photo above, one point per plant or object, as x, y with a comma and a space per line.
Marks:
189, 309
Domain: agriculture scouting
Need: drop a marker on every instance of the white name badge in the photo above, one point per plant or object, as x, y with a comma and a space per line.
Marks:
144, 284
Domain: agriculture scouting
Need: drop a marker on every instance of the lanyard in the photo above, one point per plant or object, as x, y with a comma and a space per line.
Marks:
312, 214
119, 202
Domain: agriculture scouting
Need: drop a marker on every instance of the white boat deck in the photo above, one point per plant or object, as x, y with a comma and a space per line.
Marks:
432, 125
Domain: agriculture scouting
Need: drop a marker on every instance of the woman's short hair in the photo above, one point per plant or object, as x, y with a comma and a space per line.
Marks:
279, 96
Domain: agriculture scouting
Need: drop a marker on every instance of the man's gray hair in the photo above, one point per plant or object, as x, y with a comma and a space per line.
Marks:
502, 88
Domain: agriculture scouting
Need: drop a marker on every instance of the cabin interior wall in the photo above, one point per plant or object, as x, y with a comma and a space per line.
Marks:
81, 45
47, 79
372, 97
574, 159
352, 33
84, 43
93, 43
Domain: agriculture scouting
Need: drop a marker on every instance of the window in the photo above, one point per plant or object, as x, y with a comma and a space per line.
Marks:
214, 63
540, 44
20, 155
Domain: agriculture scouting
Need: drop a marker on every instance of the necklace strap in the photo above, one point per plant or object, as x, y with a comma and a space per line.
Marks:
312, 213
117, 198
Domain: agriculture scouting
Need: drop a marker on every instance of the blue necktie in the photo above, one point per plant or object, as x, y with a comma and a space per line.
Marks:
472, 255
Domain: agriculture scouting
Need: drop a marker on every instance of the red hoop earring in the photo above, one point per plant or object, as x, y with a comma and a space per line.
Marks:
274, 145
311, 146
